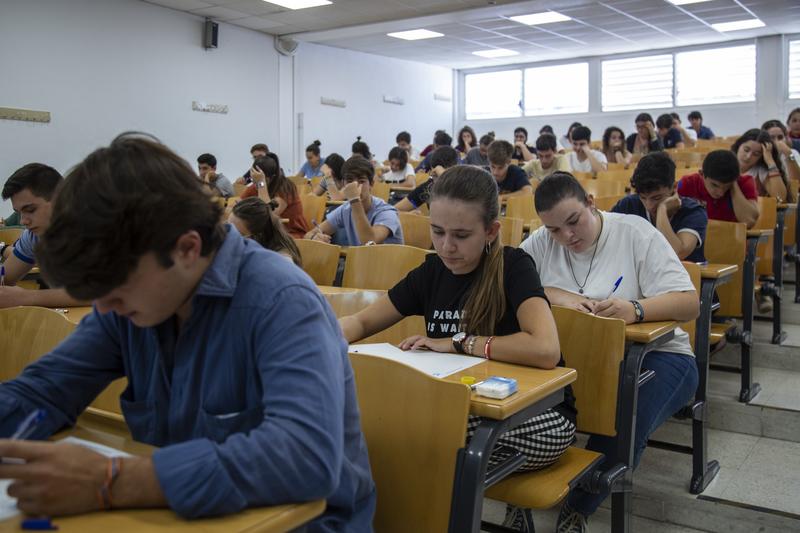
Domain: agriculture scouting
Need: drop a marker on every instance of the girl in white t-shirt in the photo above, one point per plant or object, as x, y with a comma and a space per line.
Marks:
580, 253
400, 172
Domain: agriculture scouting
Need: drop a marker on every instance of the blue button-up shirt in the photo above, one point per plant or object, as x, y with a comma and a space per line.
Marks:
253, 403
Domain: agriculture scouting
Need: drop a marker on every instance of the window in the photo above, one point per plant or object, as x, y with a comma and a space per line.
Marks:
716, 76
493, 94
557, 89
794, 69
637, 83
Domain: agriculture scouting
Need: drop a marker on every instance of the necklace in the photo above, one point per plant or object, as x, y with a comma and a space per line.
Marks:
591, 261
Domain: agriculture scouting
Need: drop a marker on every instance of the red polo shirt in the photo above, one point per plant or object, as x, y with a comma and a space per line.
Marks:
721, 209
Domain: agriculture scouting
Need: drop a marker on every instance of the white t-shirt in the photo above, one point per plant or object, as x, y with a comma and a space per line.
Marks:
586, 165
630, 247
397, 177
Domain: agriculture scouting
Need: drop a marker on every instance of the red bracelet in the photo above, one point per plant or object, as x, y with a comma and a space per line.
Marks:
114, 467
487, 348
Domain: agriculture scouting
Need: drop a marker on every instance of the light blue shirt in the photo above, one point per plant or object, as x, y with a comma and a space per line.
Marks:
247, 412
312, 172
379, 214
24, 247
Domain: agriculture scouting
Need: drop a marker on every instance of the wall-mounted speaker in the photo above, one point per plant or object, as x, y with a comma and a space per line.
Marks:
211, 34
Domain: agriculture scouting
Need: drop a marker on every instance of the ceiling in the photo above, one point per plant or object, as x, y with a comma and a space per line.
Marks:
597, 28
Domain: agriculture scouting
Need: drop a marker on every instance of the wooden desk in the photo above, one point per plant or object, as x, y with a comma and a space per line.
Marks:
74, 314
782, 216
648, 332
279, 518
329, 289
778, 336
334, 203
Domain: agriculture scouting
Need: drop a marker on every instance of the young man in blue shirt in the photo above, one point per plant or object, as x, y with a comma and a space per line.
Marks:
511, 179
670, 137
696, 120
211, 331
681, 220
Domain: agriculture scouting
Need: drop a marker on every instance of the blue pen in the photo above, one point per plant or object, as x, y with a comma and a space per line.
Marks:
28, 424
38, 524
2, 276
616, 286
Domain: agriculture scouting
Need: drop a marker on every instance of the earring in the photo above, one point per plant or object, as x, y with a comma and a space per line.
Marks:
487, 247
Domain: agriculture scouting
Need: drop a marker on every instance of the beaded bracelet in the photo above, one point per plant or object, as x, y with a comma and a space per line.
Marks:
114, 467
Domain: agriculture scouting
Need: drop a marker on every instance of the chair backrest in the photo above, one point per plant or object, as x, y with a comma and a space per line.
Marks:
414, 425
789, 231
299, 181
511, 231
320, 260
10, 235
350, 303
313, 208
767, 219
416, 230
380, 266
725, 244
686, 159
600, 188
583, 175
693, 269
520, 207
616, 166
238, 188
595, 347
606, 203
622, 175
381, 190
26, 334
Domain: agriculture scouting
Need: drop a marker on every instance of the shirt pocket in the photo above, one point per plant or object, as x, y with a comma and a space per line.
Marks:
141, 419
218, 427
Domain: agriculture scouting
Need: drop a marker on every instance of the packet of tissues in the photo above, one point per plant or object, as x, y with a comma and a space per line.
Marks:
496, 387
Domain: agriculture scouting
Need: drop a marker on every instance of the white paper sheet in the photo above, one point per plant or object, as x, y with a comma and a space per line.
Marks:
99, 448
438, 365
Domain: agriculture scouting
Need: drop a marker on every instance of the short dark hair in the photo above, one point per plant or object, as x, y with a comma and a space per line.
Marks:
774, 123
40, 179
403, 136
131, 198
487, 139
654, 171
581, 133
399, 154
675, 116
556, 187
695, 115
664, 121
313, 147
357, 168
361, 148
547, 128
446, 156
500, 152
335, 162
520, 129
721, 166
442, 139
260, 146
207, 159
546, 141
644, 117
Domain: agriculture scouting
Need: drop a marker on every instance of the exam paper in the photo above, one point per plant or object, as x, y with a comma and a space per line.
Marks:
438, 365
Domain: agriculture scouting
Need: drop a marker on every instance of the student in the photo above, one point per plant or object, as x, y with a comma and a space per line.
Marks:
272, 186
682, 221
333, 182
548, 160
403, 140
360, 148
547, 129
759, 157
442, 159
479, 156
583, 158
313, 165
467, 140
645, 140
696, 120
211, 331
441, 139
670, 137
431, 147
522, 152
566, 140
583, 252
31, 189
478, 298
216, 181
254, 219
256, 151
793, 124
363, 218
722, 190
511, 179
689, 136
614, 147
790, 158
400, 172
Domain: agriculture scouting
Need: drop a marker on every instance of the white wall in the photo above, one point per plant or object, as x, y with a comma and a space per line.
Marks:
362, 80
102, 67
723, 119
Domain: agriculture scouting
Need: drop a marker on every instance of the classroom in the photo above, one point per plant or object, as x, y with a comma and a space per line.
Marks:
400, 266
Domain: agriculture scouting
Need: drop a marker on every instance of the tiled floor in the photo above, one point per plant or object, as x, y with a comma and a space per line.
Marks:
779, 388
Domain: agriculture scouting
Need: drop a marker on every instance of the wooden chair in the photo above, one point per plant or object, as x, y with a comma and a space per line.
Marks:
693, 269
10, 235
767, 219
381, 190
511, 231
320, 260
681, 172
583, 175
601, 188
520, 207
416, 230
687, 159
613, 167
414, 425
595, 347
380, 266
313, 208
726, 244
26, 334
606, 203
299, 181
620, 176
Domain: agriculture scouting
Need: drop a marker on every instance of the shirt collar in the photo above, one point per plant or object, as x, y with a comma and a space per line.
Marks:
222, 275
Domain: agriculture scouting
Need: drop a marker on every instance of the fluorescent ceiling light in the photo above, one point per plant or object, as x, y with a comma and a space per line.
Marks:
299, 4
415, 35
739, 25
495, 52
686, 2
535, 19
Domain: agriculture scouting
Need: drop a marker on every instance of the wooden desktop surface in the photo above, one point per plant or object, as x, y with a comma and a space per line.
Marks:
645, 332
716, 271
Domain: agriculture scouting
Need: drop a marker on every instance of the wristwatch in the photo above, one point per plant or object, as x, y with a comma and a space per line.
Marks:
262, 184
638, 310
458, 341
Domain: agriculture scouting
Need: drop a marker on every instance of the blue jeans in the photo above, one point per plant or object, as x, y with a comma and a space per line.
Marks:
671, 389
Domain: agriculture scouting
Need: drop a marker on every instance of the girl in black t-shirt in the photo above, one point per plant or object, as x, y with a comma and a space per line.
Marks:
482, 299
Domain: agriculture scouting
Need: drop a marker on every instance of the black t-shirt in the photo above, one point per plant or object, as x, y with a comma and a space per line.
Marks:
421, 194
515, 180
518, 153
434, 292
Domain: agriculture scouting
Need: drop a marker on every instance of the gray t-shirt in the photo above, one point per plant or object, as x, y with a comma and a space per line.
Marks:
223, 185
474, 157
